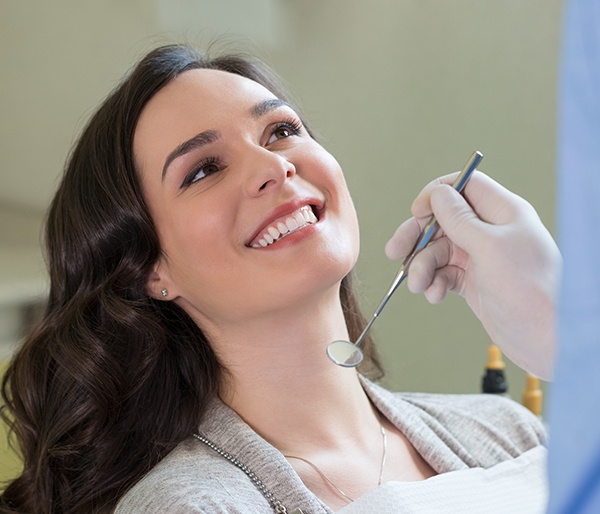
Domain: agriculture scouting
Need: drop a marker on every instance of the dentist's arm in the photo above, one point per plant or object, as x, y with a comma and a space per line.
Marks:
495, 252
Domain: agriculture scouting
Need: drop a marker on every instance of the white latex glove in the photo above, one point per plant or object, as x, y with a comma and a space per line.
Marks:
493, 250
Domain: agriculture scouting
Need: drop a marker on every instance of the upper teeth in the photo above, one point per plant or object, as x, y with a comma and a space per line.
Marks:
295, 221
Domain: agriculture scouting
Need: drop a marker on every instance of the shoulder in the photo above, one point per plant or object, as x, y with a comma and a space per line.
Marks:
489, 428
478, 429
192, 480
463, 411
228, 468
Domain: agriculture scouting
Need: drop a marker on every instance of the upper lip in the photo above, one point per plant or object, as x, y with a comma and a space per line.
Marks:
283, 210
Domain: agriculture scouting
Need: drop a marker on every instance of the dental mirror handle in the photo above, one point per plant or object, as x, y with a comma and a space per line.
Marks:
426, 236
349, 355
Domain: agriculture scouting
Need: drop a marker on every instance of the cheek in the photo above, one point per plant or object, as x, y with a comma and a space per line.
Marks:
193, 242
202, 270
340, 194
353, 231
332, 179
342, 207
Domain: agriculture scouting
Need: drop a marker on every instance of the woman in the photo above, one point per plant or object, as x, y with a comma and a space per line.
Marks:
200, 249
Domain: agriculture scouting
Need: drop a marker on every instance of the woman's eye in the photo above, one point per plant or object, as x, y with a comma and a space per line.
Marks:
282, 132
285, 130
203, 170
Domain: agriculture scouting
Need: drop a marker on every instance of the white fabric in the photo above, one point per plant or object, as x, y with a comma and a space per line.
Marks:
515, 486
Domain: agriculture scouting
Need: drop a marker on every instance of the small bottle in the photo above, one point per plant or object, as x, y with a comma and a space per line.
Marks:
493, 380
532, 396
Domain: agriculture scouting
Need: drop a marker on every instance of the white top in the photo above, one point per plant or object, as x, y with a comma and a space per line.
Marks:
515, 486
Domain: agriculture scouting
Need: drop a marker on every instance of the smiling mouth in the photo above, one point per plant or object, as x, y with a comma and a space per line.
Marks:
283, 227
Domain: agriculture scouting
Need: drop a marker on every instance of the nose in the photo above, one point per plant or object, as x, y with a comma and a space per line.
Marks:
267, 170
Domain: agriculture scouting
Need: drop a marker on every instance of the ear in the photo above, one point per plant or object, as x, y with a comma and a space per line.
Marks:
158, 285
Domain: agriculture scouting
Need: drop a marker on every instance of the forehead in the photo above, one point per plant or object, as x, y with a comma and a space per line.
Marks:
204, 92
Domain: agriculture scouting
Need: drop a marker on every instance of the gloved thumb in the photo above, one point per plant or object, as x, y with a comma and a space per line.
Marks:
455, 216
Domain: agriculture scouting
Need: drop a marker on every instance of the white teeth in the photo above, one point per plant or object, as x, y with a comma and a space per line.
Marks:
282, 228
302, 217
292, 224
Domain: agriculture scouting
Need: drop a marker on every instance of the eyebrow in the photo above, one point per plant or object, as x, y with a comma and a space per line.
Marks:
266, 106
198, 141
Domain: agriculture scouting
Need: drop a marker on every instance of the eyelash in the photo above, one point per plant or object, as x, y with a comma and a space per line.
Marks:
292, 124
209, 161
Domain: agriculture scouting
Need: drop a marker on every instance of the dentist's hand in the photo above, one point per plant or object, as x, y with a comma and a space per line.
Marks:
494, 251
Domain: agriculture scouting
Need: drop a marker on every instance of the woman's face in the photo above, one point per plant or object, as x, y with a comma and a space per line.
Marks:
253, 215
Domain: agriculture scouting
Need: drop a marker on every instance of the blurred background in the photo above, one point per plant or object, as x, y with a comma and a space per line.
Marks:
400, 91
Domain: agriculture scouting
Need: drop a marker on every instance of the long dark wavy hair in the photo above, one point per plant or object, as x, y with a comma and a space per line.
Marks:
110, 380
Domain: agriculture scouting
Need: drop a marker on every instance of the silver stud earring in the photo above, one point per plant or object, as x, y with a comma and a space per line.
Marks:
164, 292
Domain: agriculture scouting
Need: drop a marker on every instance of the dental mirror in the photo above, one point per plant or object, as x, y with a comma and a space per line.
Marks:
349, 355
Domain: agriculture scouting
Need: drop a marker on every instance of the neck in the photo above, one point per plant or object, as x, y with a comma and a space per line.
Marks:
282, 384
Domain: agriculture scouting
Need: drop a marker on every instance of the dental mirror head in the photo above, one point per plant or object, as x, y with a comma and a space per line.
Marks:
345, 353
349, 355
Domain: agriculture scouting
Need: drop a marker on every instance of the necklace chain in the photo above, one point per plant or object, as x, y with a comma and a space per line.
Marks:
275, 503
328, 480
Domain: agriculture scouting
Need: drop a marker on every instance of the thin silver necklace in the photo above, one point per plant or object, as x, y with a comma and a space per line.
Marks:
328, 480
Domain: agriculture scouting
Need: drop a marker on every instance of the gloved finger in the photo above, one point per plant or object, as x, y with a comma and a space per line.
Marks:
449, 278
422, 269
404, 239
